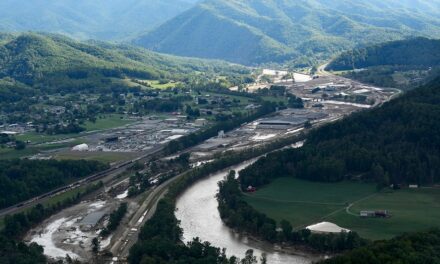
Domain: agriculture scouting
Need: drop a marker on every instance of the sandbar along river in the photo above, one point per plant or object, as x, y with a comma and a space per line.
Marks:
197, 211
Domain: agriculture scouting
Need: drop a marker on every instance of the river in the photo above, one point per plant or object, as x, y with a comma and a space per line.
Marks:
197, 211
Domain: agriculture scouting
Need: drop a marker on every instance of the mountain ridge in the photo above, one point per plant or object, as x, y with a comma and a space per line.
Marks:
30, 57
82, 19
282, 30
416, 52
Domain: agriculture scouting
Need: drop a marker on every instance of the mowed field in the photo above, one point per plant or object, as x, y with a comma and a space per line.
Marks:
304, 203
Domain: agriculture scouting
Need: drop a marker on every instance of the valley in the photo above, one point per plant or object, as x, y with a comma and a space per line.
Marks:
219, 131
68, 236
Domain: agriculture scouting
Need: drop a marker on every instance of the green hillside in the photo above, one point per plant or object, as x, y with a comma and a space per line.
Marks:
257, 31
414, 52
52, 59
98, 19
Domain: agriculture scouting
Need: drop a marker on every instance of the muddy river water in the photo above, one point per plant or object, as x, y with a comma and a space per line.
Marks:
197, 211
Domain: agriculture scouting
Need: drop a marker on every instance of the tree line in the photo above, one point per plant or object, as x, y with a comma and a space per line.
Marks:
115, 219
22, 179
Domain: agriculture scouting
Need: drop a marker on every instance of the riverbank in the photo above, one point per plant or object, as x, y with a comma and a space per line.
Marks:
203, 221
163, 226
294, 250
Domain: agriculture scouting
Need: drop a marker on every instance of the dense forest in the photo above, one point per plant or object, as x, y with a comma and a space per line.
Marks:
239, 215
421, 247
23, 179
413, 52
397, 143
13, 252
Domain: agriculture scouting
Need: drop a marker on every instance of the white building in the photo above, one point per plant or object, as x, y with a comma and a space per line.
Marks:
81, 147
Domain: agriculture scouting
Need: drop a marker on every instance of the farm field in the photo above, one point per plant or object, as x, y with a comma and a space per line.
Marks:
304, 203
411, 210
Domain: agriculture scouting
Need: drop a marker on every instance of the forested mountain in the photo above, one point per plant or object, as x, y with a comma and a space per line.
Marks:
56, 60
413, 52
397, 143
258, 31
403, 63
98, 19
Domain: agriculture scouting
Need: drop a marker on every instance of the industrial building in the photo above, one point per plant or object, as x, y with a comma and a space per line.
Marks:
281, 123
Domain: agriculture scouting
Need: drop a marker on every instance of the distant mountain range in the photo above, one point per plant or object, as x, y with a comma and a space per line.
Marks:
97, 19
294, 32
260, 31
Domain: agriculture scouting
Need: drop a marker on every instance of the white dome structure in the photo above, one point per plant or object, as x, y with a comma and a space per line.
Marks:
326, 227
81, 147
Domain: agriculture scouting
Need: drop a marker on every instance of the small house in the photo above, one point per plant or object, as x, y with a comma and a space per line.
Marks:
251, 189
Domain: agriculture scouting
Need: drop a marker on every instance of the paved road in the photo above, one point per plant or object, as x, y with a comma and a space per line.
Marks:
104, 176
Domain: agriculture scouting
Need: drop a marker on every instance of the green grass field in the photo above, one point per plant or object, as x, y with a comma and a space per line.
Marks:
37, 138
155, 84
412, 210
304, 203
106, 157
10, 153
